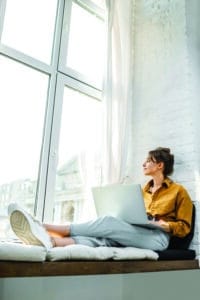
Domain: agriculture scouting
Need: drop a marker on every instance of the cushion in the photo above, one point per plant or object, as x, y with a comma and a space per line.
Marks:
82, 252
131, 253
79, 252
178, 248
21, 252
176, 254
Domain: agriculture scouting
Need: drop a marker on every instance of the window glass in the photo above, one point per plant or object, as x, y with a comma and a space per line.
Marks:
29, 27
79, 154
86, 46
23, 96
100, 3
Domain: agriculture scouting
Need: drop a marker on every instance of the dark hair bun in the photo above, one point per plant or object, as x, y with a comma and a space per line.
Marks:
167, 150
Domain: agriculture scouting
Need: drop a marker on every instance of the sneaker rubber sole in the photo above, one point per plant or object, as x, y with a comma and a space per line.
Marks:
22, 229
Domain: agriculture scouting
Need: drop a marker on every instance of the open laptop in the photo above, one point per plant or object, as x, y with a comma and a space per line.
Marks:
122, 201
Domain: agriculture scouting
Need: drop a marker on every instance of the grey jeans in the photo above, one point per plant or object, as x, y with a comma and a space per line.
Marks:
110, 231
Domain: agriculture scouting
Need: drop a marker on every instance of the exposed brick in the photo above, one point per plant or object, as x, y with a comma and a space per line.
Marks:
166, 95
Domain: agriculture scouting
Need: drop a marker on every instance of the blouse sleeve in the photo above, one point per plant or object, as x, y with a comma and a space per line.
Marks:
182, 225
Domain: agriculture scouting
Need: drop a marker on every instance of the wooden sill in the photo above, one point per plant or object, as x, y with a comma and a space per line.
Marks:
69, 268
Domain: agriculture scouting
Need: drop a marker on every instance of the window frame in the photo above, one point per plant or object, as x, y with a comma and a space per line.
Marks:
59, 77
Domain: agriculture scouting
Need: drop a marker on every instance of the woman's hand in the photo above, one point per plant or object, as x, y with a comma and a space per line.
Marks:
164, 225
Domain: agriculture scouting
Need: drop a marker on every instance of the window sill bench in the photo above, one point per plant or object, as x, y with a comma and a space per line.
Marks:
69, 268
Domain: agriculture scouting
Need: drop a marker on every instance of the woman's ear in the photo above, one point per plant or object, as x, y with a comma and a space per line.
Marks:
161, 165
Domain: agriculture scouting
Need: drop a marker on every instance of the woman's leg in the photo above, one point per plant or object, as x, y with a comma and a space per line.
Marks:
83, 240
60, 236
118, 231
62, 241
106, 231
57, 230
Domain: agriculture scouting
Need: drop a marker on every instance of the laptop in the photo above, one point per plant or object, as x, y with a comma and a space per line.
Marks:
122, 201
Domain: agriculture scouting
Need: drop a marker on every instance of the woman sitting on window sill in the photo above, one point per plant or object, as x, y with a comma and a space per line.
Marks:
167, 204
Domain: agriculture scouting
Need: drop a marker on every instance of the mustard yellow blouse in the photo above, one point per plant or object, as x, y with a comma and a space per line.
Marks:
170, 203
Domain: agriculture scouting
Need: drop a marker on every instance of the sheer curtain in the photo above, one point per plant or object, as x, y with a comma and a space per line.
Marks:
117, 103
117, 90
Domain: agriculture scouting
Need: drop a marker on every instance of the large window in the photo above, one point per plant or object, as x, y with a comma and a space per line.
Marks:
52, 56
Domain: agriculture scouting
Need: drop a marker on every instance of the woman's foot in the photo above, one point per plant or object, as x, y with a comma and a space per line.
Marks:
28, 229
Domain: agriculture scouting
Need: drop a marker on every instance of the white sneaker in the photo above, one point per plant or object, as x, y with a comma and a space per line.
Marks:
28, 229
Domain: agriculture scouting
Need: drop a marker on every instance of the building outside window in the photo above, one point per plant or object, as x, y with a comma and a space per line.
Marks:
51, 72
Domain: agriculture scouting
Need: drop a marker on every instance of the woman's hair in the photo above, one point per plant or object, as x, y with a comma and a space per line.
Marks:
161, 154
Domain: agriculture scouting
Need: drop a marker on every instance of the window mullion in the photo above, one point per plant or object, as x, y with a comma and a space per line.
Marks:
2, 14
58, 34
44, 160
53, 151
47, 172
65, 34
91, 6
25, 59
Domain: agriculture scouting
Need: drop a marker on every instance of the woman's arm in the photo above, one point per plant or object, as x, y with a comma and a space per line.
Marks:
181, 226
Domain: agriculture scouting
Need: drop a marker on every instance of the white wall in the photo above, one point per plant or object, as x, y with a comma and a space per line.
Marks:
166, 90
62, 288
193, 47
177, 285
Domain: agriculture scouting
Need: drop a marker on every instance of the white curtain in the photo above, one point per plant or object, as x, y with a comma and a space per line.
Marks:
117, 91
117, 99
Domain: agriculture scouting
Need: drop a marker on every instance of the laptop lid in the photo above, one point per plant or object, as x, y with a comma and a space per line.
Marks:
122, 201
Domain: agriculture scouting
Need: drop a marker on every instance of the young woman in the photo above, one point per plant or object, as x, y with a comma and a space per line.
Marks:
167, 205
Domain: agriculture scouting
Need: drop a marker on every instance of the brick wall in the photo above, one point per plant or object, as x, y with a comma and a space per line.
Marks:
165, 91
